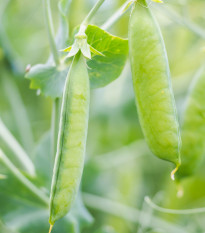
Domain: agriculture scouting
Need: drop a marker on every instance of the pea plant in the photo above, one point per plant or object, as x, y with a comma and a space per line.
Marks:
55, 181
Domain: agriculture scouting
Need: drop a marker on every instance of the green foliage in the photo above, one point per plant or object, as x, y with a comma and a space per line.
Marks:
48, 79
102, 69
119, 168
105, 69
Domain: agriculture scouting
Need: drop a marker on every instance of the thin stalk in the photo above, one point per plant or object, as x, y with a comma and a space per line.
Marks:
55, 125
92, 13
116, 16
13, 144
19, 112
23, 179
173, 211
50, 31
144, 221
126, 212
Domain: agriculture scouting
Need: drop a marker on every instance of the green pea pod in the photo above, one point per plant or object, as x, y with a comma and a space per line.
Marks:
193, 127
72, 136
152, 85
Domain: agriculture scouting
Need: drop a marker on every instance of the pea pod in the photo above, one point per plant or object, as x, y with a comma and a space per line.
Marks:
72, 136
193, 127
152, 85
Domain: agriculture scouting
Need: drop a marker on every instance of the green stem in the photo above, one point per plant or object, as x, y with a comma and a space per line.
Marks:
92, 13
144, 220
172, 211
116, 16
55, 125
13, 144
126, 212
23, 179
50, 31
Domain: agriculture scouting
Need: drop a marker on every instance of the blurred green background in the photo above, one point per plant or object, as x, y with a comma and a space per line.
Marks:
120, 170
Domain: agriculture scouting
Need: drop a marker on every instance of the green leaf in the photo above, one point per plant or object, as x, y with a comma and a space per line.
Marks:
105, 69
109, 57
48, 79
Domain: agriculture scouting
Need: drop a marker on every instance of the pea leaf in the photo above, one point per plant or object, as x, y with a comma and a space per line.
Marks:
48, 79
105, 69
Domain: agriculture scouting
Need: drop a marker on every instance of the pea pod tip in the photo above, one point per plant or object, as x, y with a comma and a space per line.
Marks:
50, 229
174, 171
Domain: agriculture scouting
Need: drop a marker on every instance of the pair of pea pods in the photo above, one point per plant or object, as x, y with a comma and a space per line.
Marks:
156, 110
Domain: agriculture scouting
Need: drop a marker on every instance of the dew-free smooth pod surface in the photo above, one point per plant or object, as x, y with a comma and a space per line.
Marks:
72, 136
152, 85
193, 127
